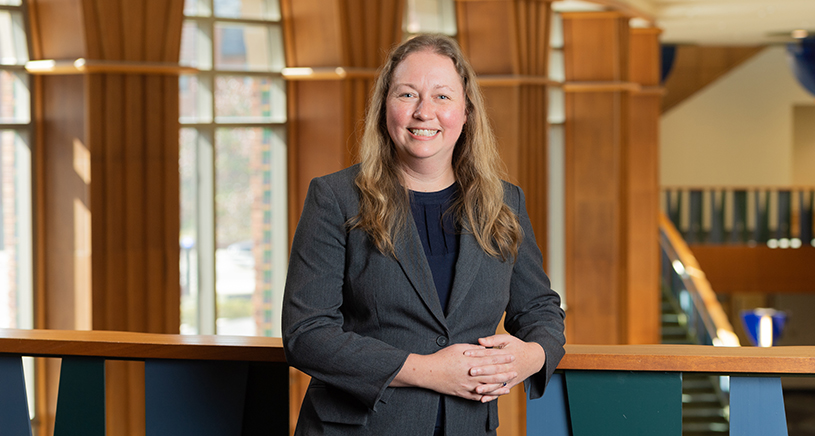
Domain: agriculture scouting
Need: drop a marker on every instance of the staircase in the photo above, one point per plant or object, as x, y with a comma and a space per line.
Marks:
703, 407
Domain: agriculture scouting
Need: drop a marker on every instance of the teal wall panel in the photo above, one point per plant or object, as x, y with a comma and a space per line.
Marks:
622, 403
81, 397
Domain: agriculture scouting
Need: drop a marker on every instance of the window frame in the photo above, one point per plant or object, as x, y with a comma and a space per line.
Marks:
206, 127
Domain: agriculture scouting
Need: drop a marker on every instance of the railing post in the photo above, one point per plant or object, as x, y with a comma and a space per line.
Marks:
757, 407
13, 401
549, 415
81, 398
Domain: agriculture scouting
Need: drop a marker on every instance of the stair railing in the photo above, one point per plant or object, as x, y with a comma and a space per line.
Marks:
742, 214
686, 282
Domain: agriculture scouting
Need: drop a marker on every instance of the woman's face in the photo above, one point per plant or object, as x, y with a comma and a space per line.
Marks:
425, 109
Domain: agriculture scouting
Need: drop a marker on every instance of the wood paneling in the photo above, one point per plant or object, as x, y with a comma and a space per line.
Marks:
771, 270
642, 312
109, 202
612, 141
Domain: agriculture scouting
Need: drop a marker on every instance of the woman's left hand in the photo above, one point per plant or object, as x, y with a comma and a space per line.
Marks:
529, 359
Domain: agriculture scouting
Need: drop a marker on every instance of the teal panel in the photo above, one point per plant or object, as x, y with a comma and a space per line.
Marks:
623, 403
757, 407
81, 397
549, 415
13, 401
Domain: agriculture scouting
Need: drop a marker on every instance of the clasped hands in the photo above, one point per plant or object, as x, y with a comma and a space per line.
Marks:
481, 372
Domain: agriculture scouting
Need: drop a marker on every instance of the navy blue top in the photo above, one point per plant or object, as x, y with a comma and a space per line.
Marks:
439, 236
438, 233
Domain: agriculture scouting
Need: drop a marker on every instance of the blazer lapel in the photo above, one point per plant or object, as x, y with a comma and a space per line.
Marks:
411, 257
470, 256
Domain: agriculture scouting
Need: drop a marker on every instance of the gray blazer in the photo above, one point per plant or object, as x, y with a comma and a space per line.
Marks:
351, 316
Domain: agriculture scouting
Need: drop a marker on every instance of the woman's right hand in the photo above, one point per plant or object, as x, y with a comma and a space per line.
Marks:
448, 371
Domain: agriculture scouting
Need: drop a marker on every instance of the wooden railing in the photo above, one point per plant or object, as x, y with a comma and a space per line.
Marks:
742, 214
637, 389
194, 385
214, 385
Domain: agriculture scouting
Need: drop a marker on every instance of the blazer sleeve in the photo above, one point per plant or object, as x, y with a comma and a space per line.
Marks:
533, 313
312, 320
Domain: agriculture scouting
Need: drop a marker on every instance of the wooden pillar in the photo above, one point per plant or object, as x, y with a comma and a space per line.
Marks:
107, 187
612, 118
597, 146
507, 43
644, 299
343, 42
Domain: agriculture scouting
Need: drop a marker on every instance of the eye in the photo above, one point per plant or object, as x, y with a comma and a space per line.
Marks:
444, 97
407, 94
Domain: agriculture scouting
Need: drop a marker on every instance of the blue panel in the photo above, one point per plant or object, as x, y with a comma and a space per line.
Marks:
549, 415
194, 397
81, 398
757, 407
13, 401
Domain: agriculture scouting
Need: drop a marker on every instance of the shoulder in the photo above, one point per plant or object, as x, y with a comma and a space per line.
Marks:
339, 186
513, 196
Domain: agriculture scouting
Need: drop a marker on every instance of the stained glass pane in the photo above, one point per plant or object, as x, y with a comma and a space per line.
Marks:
14, 97
249, 99
248, 47
196, 46
13, 48
251, 9
195, 105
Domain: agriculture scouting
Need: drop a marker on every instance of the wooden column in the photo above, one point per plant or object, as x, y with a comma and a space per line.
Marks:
643, 320
107, 187
507, 43
344, 42
596, 48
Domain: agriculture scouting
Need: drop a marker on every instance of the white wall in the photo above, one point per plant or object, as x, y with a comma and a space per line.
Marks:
738, 130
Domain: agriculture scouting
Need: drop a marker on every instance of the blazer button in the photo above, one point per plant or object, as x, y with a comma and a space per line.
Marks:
442, 341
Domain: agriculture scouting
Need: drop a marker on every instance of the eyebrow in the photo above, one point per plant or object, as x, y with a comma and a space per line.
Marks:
410, 85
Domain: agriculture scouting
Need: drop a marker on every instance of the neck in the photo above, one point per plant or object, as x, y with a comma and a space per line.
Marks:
427, 179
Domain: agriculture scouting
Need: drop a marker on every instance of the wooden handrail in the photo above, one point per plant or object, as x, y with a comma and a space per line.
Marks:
721, 323
663, 357
690, 358
738, 188
138, 346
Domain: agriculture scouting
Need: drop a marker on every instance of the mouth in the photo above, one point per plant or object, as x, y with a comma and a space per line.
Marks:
423, 132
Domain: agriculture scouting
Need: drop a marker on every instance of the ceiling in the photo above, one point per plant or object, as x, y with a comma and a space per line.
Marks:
717, 22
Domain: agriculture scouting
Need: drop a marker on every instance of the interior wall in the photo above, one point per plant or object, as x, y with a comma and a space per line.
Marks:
738, 130
803, 148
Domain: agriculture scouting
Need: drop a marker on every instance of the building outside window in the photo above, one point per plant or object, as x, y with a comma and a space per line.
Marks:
234, 234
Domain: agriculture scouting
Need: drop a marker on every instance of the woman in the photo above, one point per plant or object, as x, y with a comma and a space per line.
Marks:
403, 265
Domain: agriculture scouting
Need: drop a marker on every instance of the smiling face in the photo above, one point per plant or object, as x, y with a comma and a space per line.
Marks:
425, 111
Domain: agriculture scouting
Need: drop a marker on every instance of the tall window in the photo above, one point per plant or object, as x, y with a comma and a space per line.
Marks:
234, 235
430, 16
16, 289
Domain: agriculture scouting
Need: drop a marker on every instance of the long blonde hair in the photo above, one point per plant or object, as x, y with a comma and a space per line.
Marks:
480, 209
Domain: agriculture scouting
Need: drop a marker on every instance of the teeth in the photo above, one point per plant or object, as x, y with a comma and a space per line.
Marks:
423, 132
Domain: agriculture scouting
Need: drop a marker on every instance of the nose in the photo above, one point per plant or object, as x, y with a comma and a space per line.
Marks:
422, 112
